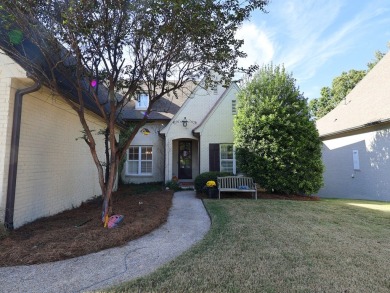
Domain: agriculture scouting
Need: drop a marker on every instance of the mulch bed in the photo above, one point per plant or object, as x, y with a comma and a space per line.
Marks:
79, 231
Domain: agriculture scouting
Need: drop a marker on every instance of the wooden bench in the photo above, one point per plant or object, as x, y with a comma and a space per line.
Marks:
236, 184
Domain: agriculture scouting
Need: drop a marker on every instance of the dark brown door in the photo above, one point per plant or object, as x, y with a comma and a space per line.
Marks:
185, 159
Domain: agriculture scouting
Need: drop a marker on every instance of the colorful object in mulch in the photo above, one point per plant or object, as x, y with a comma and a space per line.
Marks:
115, 220
93, 82
105, 213
105, 220
243, 187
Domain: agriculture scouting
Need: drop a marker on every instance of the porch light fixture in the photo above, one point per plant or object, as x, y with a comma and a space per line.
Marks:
185, 122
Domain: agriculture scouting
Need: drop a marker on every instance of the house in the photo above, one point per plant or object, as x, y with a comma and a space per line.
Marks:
148, 142
186, 134
356, 140
44, 169
193, 137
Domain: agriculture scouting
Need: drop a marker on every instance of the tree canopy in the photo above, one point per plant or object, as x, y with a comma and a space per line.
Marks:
276, 142
101, 53
341, 87
332, 96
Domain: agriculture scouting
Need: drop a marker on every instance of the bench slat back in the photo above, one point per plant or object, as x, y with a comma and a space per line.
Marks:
234, 182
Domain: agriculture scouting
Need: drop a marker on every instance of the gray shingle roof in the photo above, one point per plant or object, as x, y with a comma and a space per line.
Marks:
30, 57
163, 109
367, 104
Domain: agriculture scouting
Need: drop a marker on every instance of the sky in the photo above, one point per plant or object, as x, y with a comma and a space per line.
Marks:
316, 40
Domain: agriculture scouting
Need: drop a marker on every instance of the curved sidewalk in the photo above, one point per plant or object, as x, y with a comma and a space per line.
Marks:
187, 223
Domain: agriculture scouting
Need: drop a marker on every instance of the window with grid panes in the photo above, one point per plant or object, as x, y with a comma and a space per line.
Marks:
139, 160
227, 158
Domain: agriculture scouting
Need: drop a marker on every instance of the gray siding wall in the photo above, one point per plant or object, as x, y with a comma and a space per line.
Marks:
372, 180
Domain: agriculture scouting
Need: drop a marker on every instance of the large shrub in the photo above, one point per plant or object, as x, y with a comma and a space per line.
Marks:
201, 179
276, 142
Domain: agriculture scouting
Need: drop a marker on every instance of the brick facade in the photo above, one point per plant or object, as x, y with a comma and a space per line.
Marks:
55, 171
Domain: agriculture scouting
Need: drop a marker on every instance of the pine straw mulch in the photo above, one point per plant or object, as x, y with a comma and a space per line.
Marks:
79, 231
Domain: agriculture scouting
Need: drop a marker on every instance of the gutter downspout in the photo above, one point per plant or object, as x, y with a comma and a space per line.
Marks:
13, 163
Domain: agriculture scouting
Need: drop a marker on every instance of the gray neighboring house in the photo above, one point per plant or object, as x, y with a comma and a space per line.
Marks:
356, 140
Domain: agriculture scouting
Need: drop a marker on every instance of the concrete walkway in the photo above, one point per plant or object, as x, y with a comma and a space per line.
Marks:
187, 224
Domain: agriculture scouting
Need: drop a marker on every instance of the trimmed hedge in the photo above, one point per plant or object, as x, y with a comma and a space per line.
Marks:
201, 179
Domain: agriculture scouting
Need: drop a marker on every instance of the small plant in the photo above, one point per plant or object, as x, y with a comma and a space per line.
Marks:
211, 189
211, 184
174, 185
202, 179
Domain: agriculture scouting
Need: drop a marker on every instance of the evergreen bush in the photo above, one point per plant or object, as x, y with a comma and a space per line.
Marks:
201, 179
276, 142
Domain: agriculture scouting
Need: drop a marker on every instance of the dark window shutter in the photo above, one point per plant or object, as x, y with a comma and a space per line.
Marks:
213, 157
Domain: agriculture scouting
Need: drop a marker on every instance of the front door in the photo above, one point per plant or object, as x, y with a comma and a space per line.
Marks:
185, 159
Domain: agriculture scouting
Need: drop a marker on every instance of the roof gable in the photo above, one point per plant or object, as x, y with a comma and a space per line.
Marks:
201, 126
195, 108
367, 104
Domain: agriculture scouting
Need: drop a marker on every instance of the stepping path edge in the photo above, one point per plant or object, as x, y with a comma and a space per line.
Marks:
187, 223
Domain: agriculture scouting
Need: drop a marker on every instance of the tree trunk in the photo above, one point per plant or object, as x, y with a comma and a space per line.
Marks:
111, 170
106, 138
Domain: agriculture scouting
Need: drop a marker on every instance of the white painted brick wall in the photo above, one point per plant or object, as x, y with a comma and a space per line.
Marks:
194, 110
4, 140
55, 172
8, 69
218, 128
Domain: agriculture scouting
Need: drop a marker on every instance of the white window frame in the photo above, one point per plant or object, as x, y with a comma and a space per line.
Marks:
142, 102
139, 161
234, 170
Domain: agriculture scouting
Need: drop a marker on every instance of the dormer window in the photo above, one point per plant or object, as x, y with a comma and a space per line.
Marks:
234, 107
142, 102
214, 88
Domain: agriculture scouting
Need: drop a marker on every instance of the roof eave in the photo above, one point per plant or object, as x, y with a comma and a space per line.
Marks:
353, 129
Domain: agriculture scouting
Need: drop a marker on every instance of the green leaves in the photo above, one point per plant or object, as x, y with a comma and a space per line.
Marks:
341, 87
15, 37
276, 142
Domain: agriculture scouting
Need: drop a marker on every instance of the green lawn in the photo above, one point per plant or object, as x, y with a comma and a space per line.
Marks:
283, 246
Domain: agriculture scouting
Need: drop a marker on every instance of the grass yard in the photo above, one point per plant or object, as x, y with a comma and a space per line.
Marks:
283, 246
